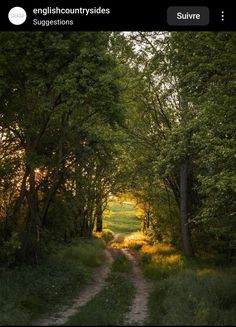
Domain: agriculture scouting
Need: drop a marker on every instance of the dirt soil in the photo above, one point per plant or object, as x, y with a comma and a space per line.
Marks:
138, 314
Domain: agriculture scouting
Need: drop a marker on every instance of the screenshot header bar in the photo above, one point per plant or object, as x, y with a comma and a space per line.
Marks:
115, 16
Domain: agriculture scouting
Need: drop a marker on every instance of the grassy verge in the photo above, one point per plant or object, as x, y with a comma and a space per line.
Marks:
188, 292
110, 305
26, 293
121, 218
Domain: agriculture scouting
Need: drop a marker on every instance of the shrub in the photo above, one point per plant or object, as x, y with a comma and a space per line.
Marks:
9, 250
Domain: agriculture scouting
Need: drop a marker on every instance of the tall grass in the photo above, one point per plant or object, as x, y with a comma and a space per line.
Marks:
188, 292
26, 293
160, 260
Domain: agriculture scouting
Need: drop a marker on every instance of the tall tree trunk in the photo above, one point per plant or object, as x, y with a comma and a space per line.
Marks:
99, 216
58, 174
186, 238
35, 224
11, 220
33, 202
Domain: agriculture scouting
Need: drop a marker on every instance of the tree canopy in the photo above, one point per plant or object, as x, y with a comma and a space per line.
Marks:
85, 115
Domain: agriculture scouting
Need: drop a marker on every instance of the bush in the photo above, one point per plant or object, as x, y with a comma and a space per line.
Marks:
107, 235
9, 250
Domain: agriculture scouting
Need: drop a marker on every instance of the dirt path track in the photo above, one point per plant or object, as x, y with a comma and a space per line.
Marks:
96, 284
138, 314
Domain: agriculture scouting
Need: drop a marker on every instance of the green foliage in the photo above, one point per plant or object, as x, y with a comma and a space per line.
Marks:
9, 250
182, 108
59, 112
60, 220
86, 115
208, 89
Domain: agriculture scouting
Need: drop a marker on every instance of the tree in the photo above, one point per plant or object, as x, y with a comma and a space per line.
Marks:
208, 88
54, 88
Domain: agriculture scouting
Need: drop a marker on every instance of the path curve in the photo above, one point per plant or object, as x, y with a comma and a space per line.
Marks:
95, 285
138, 314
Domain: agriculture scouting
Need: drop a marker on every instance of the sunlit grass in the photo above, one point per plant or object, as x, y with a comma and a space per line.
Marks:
121, 218
160, 260
119, 241
135, 240
158, 248
187, 292
208, 272
163, 255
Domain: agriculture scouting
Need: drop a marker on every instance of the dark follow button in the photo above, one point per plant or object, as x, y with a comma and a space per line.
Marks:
188, 16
